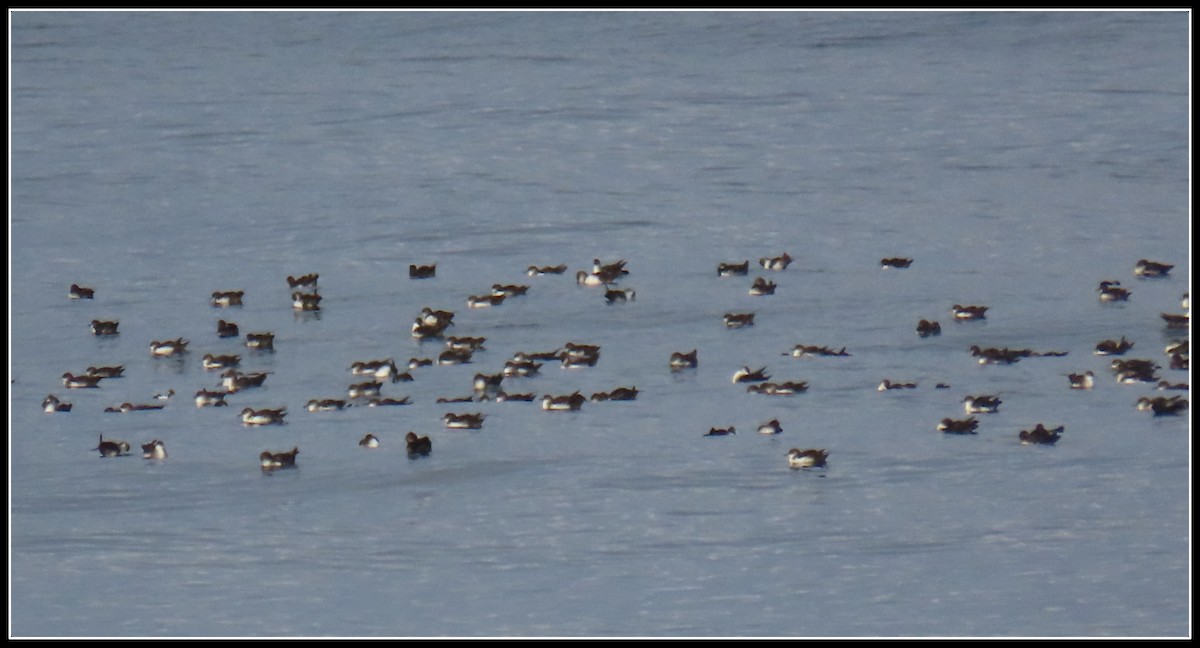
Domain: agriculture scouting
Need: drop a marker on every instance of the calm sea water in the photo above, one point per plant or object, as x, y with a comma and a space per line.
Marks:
1019, 158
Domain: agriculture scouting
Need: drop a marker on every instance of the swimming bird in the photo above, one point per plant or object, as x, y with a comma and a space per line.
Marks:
130, 407
206, 398
385, 402
226, 298
514, 368
1175, 321
227, 329
326, 405
770, 427
611, 271
368, 389
959, 426
303, 282
1085, 380
211, 361
112, 448
569, 402
812, 350
1144, 268
370, 441
721, 431
618, 394
71, 381
154, 450
417, 446
504, 397
381, 369
262, 341
1163, 384
537, 271
485, 301
780, 262
733, 269
79, 292
1041, 435
422, 271
271, 461
106, 372
509, 290
1163, 405
252, 416
1113, 347
981, 404
927, 328
306, 302
168, 347
234, 381
165, 395
51, 404
888, 385
896, 262
745, 374
680, 360
1111, 291
968, 313
464, 421
762, 287
619, 295
807, 458
778, 389
738, 320
104, 327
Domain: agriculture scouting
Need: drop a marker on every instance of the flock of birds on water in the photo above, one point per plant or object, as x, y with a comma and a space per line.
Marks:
433, 325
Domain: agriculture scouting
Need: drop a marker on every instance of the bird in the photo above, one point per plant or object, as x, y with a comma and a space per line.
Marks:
168, 347
112, 448
463, 421
780, 262
1041, 435
79, 292
966, 313
888, 385
52, 404
762, 287
227, 329
154, 450
418, 446
326, 405
271, 461
422, 271
106, 372
1113, 347
680, 360
370, 441
738, 320
927, 328
1145, 268
745, 375
263, 341
981, 404
770, 427
104, 327
807, 458
721, 431
1085, 380
1111, 291
252, 416
617, 394
226, 298
537, 271
306, 302
369, 389
959, 426
567, 403
303, 282
86, 381
733, 269
619, 295
778, 389
211, 361
206, 398
896, 262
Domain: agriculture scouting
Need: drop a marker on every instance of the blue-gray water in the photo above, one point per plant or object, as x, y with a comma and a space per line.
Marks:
1019, 158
